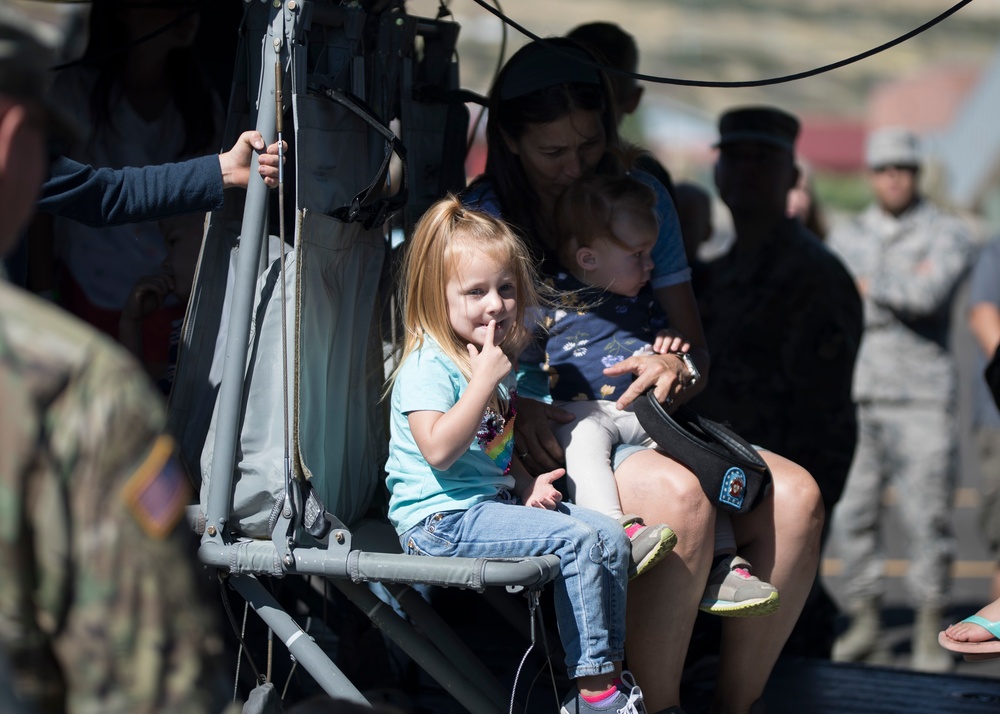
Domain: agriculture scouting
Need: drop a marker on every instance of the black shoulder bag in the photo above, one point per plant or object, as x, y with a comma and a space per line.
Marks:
732, 473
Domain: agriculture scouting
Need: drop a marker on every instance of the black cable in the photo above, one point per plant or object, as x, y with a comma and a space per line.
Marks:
749, 83
496, 73
236, 628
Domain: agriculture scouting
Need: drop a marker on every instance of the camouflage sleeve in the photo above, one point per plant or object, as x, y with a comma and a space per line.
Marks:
924, 288
34, 672
137, 636
99, 594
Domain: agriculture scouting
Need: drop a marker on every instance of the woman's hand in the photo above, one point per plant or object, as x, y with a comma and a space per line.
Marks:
536, 445
666, 374
540, 493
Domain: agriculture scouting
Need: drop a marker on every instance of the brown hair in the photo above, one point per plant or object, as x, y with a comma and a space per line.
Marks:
616, 48
519, 204
586, 209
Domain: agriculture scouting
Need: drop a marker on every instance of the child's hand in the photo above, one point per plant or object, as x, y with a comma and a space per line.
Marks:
490, 363
670, 341
540, 493
147, 295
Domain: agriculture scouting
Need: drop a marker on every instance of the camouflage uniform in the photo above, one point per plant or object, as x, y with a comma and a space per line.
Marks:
783, 329
100, 610
906, 389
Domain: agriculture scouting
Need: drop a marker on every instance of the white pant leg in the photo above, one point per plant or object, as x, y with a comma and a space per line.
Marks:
587, 442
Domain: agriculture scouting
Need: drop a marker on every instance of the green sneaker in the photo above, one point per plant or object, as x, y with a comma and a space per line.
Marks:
734, 591
649, 543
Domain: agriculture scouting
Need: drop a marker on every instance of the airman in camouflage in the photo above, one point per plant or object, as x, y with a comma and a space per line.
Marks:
783, 322
100, 608
907, 257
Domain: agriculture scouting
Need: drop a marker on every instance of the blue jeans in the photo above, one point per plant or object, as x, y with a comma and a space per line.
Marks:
593, 552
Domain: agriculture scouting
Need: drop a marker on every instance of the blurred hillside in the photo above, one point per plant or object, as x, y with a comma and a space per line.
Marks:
738, 40
741, 40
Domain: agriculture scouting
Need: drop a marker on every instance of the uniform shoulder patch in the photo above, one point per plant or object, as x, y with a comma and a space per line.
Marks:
157, 493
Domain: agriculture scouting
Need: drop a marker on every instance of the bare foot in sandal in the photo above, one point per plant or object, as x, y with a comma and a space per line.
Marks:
971, 632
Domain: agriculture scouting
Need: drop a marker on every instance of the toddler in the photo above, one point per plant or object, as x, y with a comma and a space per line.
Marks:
607, 227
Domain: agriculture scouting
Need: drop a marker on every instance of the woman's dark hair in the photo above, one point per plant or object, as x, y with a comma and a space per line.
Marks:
512, 117
188, 87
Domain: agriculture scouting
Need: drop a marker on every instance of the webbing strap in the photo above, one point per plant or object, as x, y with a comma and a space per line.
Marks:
372, 213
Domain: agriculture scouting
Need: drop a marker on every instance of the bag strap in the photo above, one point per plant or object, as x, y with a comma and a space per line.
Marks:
719, 432
363, 208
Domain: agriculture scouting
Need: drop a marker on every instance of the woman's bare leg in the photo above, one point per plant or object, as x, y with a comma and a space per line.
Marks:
780, 538
663, 603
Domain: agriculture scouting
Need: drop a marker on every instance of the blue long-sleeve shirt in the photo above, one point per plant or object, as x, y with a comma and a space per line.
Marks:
101, 197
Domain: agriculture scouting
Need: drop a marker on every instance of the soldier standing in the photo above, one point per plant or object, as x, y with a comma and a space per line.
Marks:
907, 257
100, 607
783, 322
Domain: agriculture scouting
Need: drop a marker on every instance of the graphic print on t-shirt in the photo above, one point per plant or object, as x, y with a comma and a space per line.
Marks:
496, 435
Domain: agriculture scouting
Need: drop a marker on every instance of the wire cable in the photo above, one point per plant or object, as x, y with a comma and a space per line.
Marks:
748, 83
496, 73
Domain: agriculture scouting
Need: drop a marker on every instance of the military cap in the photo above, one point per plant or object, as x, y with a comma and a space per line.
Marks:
27, 52
765, 125
893, 146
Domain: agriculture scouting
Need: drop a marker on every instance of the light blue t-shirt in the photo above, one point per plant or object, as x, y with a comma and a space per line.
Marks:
669, 259
429, 381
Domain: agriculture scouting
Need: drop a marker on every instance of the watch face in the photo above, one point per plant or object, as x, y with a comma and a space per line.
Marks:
691, 367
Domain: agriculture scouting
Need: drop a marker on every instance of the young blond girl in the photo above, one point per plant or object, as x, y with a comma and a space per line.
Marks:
456, 487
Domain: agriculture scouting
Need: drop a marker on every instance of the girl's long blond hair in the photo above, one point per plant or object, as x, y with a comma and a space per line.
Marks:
445, 235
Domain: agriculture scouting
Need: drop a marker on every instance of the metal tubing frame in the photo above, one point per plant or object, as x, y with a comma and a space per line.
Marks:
296, 640
252, 243
421, 650
435, 629
217, 551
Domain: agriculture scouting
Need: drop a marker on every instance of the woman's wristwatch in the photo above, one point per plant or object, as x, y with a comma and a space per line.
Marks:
691, 367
